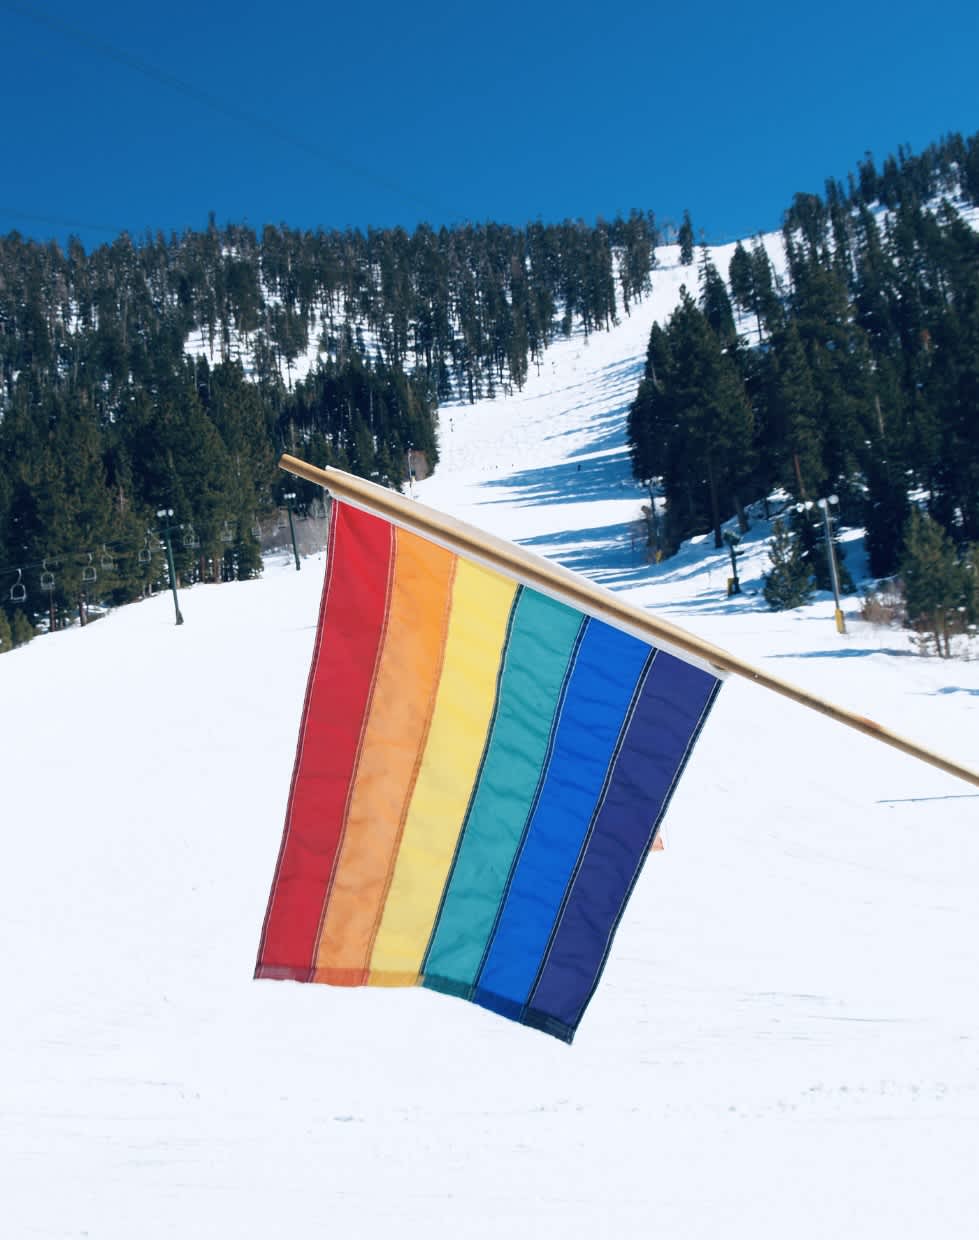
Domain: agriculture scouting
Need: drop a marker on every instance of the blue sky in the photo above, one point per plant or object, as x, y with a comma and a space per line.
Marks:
321, 115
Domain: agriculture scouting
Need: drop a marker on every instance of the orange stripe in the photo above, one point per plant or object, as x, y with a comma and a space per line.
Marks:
394, 741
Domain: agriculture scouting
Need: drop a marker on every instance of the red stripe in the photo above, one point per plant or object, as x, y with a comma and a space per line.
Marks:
348, 640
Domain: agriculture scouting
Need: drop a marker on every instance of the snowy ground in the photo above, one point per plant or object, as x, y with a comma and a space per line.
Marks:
786, 1040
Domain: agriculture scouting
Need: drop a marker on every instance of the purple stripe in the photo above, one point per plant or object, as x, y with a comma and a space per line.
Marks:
671, 708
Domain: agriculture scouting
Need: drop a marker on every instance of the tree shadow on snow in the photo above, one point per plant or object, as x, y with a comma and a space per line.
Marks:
848, 652
569, 482
605, 552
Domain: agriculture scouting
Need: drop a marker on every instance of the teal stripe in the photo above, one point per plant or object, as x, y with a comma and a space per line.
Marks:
541, 644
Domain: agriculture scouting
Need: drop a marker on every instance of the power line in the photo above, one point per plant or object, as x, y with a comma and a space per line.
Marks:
60, 557
217, 104
59, 222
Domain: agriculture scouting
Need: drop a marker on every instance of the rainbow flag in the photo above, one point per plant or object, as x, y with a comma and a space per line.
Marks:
481, 771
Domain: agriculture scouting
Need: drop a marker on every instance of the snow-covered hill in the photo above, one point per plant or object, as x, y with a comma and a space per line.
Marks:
786, 1040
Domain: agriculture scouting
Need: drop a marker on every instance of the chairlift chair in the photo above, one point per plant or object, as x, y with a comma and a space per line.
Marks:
227, 533
106, 560
47, 577
144, 555
89, 575
190, 539
18, 591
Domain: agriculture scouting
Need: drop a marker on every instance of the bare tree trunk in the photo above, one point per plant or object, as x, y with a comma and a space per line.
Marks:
798, 475
744, 525
714, 509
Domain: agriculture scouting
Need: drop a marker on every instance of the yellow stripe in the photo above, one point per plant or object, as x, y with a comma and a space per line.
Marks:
481, 602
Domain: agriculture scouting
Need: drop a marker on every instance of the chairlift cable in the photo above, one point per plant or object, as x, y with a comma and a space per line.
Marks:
122, 547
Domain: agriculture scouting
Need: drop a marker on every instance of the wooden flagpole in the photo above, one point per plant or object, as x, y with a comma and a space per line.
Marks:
552, 579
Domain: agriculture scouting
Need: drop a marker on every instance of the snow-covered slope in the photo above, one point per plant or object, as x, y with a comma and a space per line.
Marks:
786, 1040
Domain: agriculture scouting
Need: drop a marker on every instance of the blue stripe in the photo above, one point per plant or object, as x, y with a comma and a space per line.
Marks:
599, 696
669, 713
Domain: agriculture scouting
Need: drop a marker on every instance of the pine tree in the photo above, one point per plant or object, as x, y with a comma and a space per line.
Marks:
788, 584
795, 431
715, 303
648, 422
839, 361
741, 278
23, 630
244, 556
6, 633
709, 436
970, 566
685, 240
885, 514
937, 586
767, 306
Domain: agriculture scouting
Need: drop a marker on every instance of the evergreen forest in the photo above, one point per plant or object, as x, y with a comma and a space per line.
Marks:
166, 374
850, 370
111, 412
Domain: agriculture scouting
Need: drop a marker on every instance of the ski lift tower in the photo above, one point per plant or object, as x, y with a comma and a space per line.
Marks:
166, 515
824, 505
289, 496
